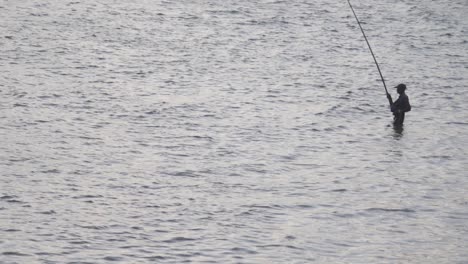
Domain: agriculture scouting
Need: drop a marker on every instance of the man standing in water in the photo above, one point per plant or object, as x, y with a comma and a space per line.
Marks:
400, 106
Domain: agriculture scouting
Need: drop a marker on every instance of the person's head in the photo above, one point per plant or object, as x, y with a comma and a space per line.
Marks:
401, 88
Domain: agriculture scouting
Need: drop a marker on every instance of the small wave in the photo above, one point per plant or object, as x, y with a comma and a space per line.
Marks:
457, 123
339, 190
443, 157
113, 258
403, 210
87, 196
8, 197
305, 206
48, 212
46, 254
51, 171
92, 227
14, 201
257, 206
152, 112
279, 246
14, 253
81, 242
155, 258
152, 206
11, 230
225, 12
244, 250
178, 239
344, 215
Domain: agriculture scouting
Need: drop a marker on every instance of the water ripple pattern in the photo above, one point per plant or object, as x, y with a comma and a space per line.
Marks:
232, 132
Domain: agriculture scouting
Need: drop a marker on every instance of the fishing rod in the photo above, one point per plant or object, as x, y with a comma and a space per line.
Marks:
367, 41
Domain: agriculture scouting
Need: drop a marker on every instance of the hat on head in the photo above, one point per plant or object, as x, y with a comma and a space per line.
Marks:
401, 86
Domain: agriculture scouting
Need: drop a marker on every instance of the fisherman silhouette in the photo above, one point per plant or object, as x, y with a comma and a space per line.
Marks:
400, 106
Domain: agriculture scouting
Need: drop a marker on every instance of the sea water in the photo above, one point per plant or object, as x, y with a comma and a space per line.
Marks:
232, 132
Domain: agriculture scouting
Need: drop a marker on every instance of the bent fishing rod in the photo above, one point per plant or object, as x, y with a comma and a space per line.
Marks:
367, 41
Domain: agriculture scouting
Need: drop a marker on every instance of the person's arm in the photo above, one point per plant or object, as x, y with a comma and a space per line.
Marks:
390, 100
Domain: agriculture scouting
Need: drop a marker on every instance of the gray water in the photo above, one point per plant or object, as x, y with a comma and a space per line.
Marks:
232, 132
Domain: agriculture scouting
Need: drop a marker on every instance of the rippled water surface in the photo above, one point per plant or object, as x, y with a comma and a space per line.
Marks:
232, 132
